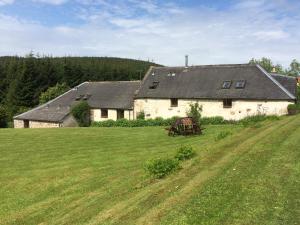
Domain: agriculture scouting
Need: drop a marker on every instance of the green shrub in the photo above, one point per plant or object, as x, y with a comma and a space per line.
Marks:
294, 106
213, 120
184, 153
250, 120
159, 168
81, 113
135, 123
141, 115
222, 135
195, 112
298, 94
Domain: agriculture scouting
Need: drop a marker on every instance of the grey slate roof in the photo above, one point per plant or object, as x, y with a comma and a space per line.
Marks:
109, 95
288, 82
205, 82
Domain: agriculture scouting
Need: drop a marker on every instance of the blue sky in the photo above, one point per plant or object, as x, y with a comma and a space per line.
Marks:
210, 32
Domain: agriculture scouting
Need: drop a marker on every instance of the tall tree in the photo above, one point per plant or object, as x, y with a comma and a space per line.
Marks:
26, 85
265, 63
294, 68
53, 92
3, 117
23, 79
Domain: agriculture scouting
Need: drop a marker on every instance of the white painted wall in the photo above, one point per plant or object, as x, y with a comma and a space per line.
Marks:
162, 108
112, 115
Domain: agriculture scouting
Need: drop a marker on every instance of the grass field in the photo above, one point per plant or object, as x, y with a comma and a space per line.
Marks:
95, 176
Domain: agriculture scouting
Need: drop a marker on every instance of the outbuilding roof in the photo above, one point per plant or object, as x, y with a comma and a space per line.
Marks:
244, 81
107, 95
288, 82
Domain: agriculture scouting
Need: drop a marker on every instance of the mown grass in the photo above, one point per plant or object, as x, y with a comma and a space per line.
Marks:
96, 176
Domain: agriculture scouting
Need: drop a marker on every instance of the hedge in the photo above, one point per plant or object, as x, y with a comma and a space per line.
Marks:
168, 122
135, 123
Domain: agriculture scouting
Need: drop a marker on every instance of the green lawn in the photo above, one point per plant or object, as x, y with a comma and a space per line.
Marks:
95, 176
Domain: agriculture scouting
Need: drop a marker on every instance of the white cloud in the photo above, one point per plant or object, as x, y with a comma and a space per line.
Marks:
52, 2
6, 2
164, 34
271, 35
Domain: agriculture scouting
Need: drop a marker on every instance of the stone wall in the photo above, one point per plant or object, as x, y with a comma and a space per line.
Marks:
36, 124
162, 108
69, 121
18, 124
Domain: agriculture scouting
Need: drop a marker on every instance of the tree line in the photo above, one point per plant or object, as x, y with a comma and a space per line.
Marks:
24, 80
269, 66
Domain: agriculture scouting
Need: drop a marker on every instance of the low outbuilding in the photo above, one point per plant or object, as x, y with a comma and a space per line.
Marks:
108, 100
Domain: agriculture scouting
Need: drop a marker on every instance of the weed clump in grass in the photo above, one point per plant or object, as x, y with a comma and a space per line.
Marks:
159, 168
184, 153
222, 135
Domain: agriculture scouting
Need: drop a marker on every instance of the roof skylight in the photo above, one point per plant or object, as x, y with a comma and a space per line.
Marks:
240, 84
226, 84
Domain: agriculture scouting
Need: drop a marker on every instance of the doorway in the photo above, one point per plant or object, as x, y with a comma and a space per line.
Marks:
120, 114
26, 123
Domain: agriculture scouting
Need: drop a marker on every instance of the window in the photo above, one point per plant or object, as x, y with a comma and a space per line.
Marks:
174, 102
104, 113
154, 85
227, 103
240, 84
226, 84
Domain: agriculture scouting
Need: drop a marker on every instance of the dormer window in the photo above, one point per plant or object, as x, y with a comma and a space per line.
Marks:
226, 84
154, 85
240, 84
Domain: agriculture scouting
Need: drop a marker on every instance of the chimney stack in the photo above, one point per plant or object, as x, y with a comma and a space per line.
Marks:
186, 61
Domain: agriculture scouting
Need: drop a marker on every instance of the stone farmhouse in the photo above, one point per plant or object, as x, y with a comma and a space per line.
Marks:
231, 91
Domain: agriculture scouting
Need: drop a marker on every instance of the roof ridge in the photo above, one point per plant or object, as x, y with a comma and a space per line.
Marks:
275, 81
117, 81
209, 66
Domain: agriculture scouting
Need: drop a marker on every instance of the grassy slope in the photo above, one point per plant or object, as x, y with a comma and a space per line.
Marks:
95, 176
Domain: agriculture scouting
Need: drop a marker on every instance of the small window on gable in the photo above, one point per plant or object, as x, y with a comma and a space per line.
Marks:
104, 113
174, 102
240, 84
227, 103
154, 85
226, 84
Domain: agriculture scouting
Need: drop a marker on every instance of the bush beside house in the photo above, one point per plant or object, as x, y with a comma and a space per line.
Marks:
294, 109
81, 113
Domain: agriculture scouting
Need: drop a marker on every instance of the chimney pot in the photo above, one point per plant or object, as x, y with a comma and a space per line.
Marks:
186, 61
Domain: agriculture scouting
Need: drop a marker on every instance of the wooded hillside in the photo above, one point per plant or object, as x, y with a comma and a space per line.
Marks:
22, 79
